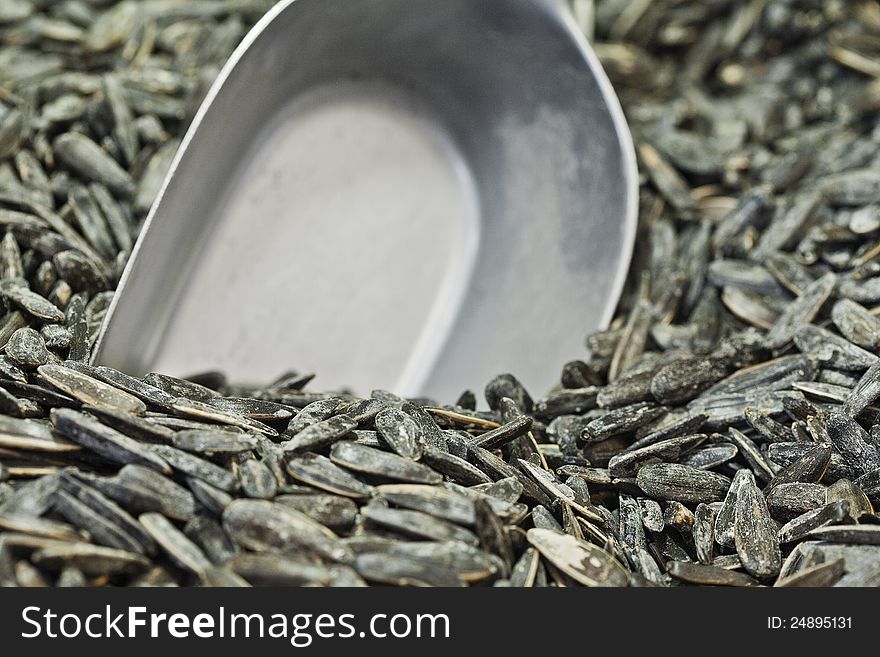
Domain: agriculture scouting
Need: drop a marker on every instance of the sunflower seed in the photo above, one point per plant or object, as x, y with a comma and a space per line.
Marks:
849, 534
278, 570
89, 390
143, 391
823, 574
179, 548
367, 460
801, 311
627, 464
92, 560
621, 421
194, 466
260, 526
213, 442
403, 571
504, 434
30, 302
754, 534
167, 497
844, 489
321, 434
455, 468
85, 158
320, 472
112, 445
333, 511
202, 411
853, 443
681, 483
257, 480
585, 563
433, 500
708, 575
793, 499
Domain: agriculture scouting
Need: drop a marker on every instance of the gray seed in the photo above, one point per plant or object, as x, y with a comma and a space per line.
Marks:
79, 334
849, 534
823, 574
80, 271
505, 433
855, 187
27, 348
333, 511
832, 350
708, 575
853, 443
131, 425
431, 433
55, 336
213, 443
400, 432
260, 526
801, 311
85, 158
856, 324
726, 519
753, 456
311, 414
621, 421
809, 468
180, 387
798, 528
257, 480
417, 524
112, 445
101, 530
89, 390
212, 498
208, 535
787, 501
627, 464
433, 500
525, 569
320, 434
585, 563
403, 571
91, 221
92, 560
704, 532
278, 570
41, 527
202, 411
197, 467
367, 460
455, 468
652, 515
707, 458
508, 489
844, 489
866, 391
320, 472
681, 483
168, 497
755, 535
683, 380
179, 548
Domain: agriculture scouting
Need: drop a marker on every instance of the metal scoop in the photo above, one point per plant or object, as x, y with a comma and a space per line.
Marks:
415, 195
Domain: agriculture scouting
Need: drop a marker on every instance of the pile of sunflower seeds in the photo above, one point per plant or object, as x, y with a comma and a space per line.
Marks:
724, 430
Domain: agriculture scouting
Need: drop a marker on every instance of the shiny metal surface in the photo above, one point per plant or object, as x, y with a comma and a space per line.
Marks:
408, 194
